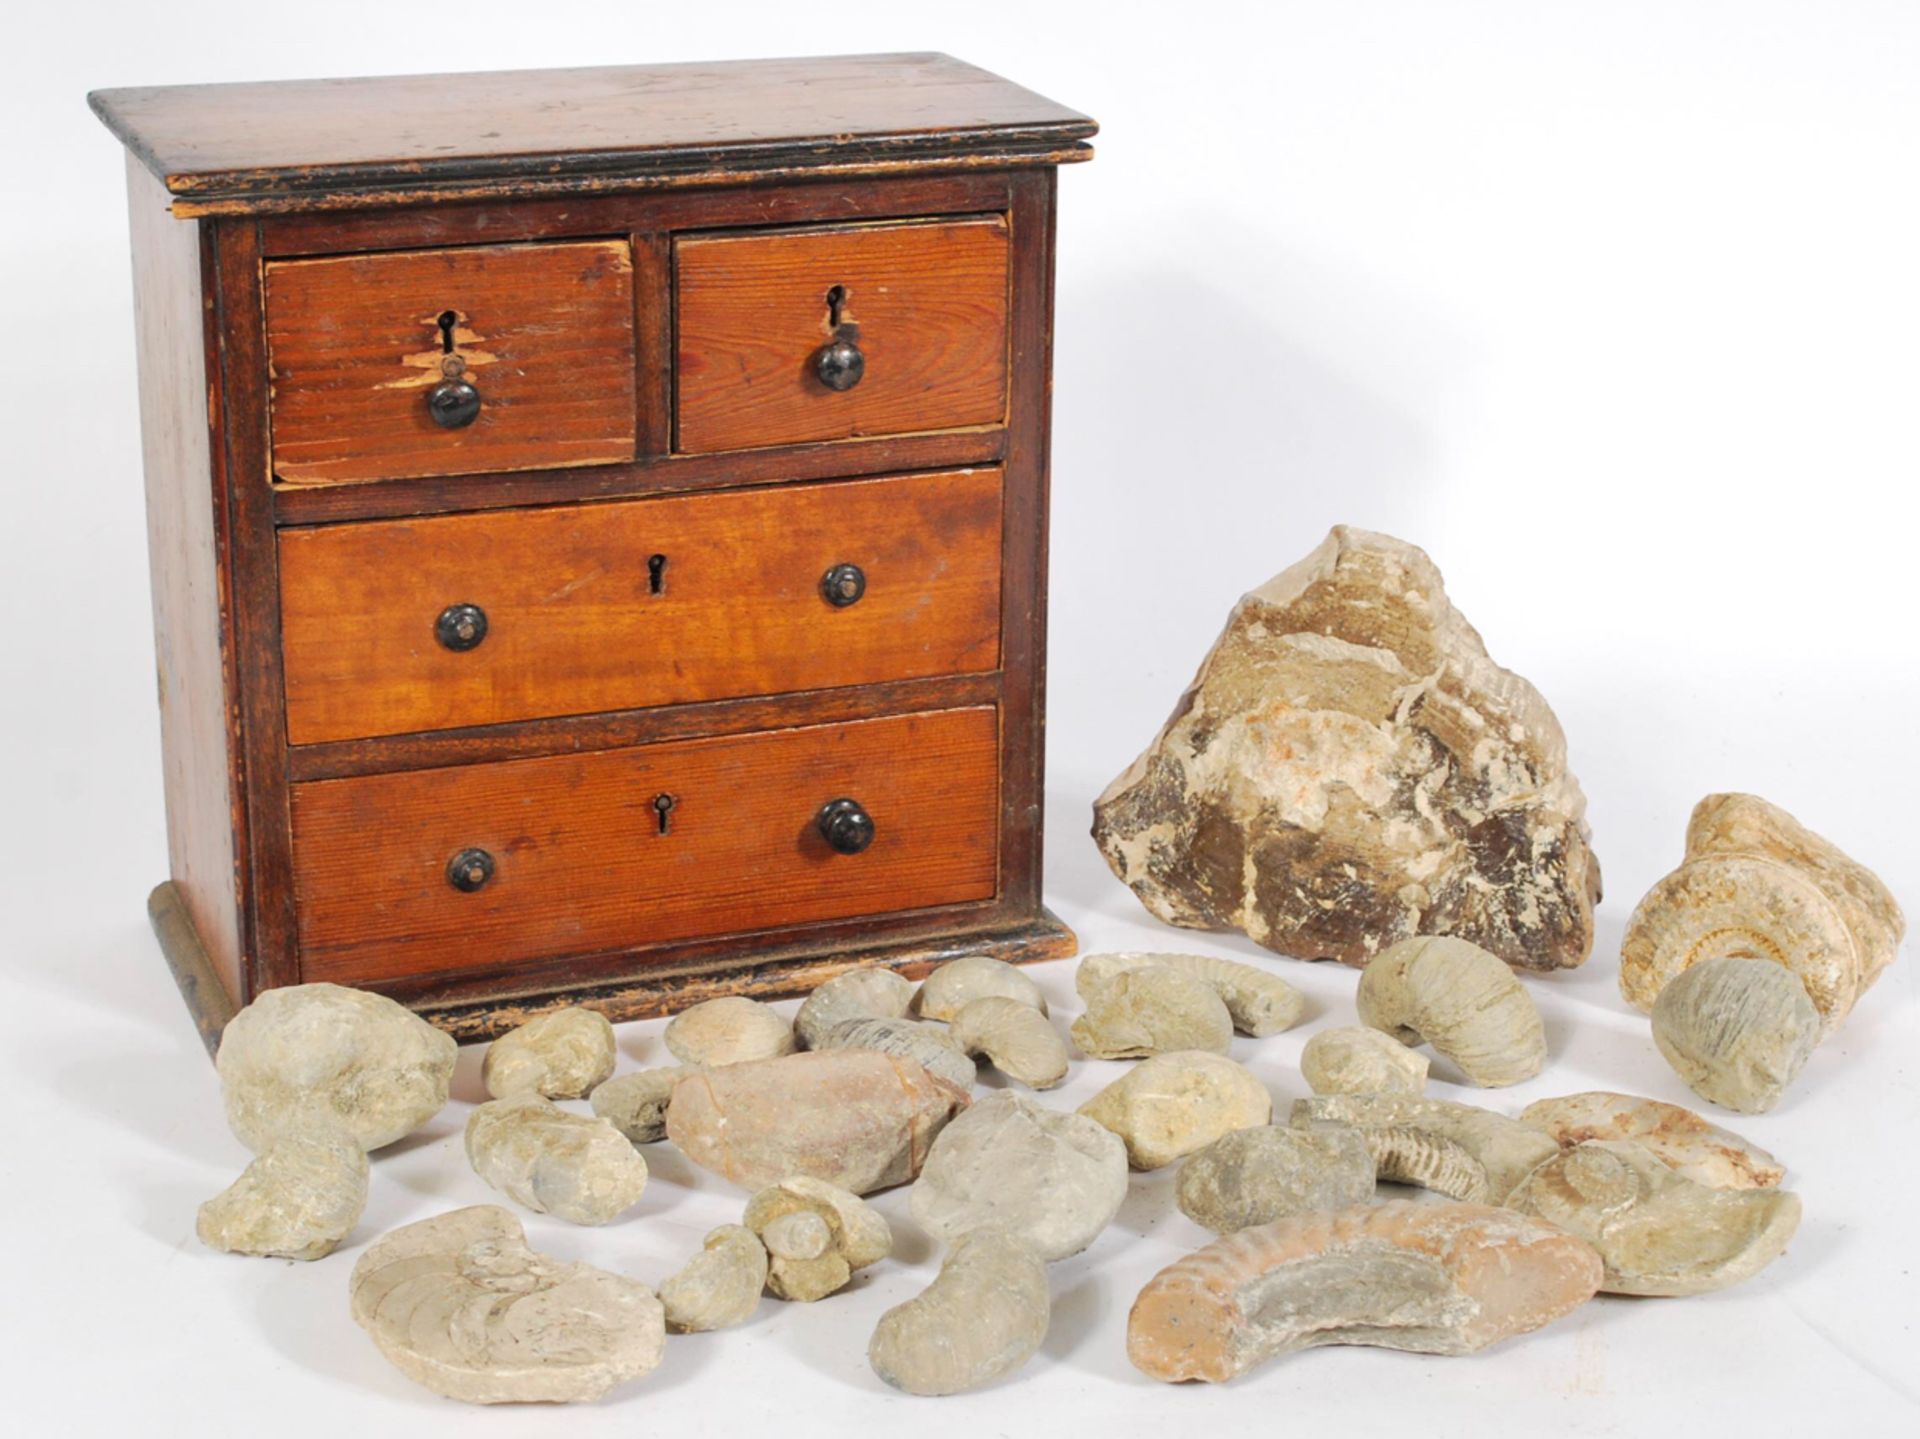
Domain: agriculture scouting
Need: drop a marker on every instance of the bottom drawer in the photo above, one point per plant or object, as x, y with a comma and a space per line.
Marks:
483, 866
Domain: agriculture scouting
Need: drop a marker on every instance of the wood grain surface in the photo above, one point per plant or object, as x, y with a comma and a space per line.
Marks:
925, 301
574, 624
580, 864
545, 332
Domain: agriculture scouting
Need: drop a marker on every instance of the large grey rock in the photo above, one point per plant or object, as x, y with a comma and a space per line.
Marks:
298, 1200
553, 1161
562, 1055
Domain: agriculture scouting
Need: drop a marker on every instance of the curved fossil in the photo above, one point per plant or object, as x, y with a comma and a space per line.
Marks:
957, 983
1258, 1003
1405, 1155
1152, 1010
1015, 1039
720, 1286
816, 1236
1505, 1149
858, 994
561, 1055
1358, 1060
927, 1045
554, 1161
1679, 1138
983, 1317
1461, 1000
730, 1030
298, 1200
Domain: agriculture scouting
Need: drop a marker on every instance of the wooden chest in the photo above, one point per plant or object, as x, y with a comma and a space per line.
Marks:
598, 526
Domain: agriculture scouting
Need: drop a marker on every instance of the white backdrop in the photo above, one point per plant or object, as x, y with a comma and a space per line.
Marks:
1614, 308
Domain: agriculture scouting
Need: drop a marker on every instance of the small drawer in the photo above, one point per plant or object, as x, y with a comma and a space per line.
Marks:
481, 866
450, 362
399, 626
829, 333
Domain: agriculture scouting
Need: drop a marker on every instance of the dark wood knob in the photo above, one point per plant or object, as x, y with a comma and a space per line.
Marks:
461, 627
470, 870
839, 364
453, 404
845, 825
843, 585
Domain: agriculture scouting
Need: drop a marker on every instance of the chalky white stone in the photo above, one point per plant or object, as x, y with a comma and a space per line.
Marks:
298, 1200
562, 1055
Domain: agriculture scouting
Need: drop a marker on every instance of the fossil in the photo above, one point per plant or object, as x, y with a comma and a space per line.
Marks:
720, 1286
856, 994
316, 1059
957, 983
1679, 1138
816, 1236
1403, 1154
1015, 1039
1255, 1176
1505, 1149
1736, 1030
983, 1316
730, 1030
1349, 769
562, 1055
554, 1161
1258, 1003
1168, 1106
1051, 1179
1757, 884
1358, 1060
1434, 1278
636, 1104
460, 1304
1461, 1000
928, 1045
1657, 1231
853, 1117
1152, 1010
297, 1200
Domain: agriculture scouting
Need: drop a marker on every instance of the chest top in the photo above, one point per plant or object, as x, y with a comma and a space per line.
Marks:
323, 144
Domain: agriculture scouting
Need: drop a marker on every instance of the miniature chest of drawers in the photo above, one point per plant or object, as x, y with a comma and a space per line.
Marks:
598, 527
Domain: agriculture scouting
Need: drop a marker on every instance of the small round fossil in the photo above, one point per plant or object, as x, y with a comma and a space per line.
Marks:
720, 1286
1015, 1038
1736, 1030
957, 983
730, 1030
816, 1236
984, 1316
561, 1055
1460, 999
1358, 1060
1152, 1010
866, 993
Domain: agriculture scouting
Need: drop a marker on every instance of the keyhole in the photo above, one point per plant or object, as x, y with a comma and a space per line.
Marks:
663, 808
447, 321
836, 297
657, 573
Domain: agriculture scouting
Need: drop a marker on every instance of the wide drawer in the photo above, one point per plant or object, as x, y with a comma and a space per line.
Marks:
486, 865
924, 305
399, 626
367, 354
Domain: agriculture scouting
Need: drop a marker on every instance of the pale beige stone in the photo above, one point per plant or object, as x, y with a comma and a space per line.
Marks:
1505, 1149
636, 1104
1359, 1060
1403, 1154
958, 982
930, 1046
817, 1236
1461, 1000
297, 1200
1170, 1105
730, 1030
1152, 1010
1757, 884
460, 1304
857, 994
1657, 1231
1738, 1031
1014, 1038
562, 1055
985, 1314
720, 1286
1677, 1137
315, 1059
1051, 1179
1349, 769
853, 1117
1434, 1278
1258, 1003
1255, 1176
553, 1161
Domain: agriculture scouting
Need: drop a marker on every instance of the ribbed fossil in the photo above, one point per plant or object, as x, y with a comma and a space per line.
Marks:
816, 1236
857, 994
730, 1030
1757, 884
1168, 1106
1435, 1278
1461, 1000
562, 1055
1677, 1137
958, 982
636, 1104
720, 1286
1358, 1060
460, 1304
1255, 1176
1405, 1155
554, 1161
298, 1200
1014, 1038
1738, 1031
1151, 1010
1051, 1179
1259, 1003
984, 1315
1657, 1231
1505, 1149
927, 1045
